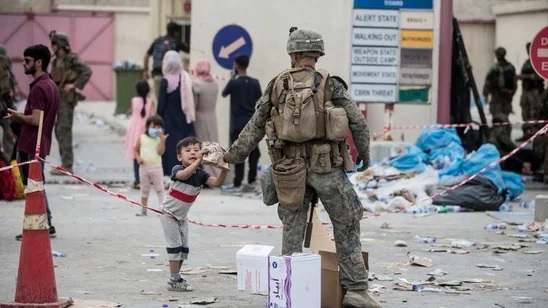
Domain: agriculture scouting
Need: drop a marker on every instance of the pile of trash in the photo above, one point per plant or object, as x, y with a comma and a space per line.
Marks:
436, 171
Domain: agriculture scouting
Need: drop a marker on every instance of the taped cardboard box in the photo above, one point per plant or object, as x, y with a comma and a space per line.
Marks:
322, 243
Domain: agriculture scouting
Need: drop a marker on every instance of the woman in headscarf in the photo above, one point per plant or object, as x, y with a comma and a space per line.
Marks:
206, 90
175, 106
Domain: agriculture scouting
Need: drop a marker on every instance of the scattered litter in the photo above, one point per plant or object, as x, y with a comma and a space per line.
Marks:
150, 292
492, 266
437, 250
228, 272
152, 255
386, 225
67, 197
424, 262
220, 267
523, 299
205, 301
193, 271
476, 280
425, 239
462, 244
450, 283
154, 269
381, 277
517, 235
58, 254
94, 303
438, 272
376, 288
534, 226
459, 251
496, 226
532, 252
507, 247
400, 243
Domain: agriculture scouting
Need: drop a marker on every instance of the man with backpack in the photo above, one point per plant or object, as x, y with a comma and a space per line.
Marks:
158, 49
500, 84
306, 114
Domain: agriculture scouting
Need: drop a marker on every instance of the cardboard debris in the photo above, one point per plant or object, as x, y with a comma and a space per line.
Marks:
450, 283
507, 247
400, 243
228, 272
492, 266
204, 301
532, 252
424, 262
517, 235
380, 277
221, 267
150, 292
386, 225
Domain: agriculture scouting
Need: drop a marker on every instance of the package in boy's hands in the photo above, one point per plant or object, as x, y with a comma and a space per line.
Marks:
214, 155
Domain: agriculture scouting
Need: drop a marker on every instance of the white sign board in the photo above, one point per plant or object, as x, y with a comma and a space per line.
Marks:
376, 18
375, 37
415, 76
380, 93
417, 20
374, 74
375, 55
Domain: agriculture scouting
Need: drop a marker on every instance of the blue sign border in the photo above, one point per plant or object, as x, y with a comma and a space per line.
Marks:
394, 4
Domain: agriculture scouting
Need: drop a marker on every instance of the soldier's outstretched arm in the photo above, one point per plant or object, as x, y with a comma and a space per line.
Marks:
356, 121
84, 73
253, 132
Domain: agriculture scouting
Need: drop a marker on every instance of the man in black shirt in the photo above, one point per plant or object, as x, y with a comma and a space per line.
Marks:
244, 92
158, 49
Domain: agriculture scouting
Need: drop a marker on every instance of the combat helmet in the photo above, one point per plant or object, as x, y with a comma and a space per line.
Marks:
60, 39
2, 50
304, 40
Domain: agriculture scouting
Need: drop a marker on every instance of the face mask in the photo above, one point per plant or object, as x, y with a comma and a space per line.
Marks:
153, 133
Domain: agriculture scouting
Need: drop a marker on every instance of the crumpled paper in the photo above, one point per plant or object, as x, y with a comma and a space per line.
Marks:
214, 155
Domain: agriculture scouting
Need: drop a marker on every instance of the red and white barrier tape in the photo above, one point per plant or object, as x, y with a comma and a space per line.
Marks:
17, 165
379, 134
99, 187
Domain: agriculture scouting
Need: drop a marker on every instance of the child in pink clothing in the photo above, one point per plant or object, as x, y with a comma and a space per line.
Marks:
141, 108
148, 151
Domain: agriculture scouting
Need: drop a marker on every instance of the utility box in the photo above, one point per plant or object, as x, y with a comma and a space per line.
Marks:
126, 79
541, 208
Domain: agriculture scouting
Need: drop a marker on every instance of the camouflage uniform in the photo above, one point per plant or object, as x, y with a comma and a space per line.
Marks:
7, 84
532, 87
501, 84
334, 189
540, 144
68, 69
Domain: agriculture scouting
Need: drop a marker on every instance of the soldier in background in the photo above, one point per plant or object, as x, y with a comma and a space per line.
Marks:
70, 74
532, 86
9, 93
500, 84
313, 165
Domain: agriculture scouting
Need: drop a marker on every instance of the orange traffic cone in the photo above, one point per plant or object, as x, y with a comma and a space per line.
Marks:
36, 279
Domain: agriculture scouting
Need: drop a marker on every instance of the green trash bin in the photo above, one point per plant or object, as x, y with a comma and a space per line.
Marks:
126, 79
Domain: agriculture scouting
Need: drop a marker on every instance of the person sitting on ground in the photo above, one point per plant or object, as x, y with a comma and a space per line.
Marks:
187, 180
524, 161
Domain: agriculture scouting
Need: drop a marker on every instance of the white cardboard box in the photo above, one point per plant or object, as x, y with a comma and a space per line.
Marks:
294, 281
252, 266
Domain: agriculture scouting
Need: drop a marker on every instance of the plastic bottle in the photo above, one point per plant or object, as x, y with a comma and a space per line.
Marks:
505, 207
58, 254
165, 306
495, 226
442, 209
523, 228
527, 204
425, 239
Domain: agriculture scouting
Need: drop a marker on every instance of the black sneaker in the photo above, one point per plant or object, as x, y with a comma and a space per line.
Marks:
52, 234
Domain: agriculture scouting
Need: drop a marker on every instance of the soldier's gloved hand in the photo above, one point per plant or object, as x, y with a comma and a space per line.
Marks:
362, 164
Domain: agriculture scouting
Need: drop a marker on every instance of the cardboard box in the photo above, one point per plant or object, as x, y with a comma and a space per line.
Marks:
323, 244
252, 267
294, 281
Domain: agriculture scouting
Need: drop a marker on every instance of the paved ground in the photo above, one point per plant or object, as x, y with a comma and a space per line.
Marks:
104, 242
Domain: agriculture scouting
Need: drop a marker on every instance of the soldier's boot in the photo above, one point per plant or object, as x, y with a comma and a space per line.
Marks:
359, 299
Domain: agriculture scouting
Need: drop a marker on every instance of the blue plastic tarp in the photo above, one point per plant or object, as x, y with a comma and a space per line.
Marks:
513, 183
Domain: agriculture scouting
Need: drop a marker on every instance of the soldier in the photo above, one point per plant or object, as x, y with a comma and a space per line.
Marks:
501, 84
532, 86
306, 114
70, 74
540, 144
9, 91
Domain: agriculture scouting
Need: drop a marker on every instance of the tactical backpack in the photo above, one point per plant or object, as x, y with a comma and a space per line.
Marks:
302, 107
161, 46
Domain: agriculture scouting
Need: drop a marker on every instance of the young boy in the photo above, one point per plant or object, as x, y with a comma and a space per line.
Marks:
186, 183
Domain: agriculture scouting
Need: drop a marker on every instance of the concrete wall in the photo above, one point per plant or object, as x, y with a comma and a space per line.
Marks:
268, 23
130, 43
479, 39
